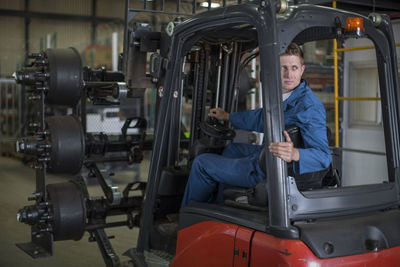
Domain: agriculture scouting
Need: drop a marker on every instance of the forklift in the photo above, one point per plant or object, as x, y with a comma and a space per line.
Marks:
197, 64
288, 225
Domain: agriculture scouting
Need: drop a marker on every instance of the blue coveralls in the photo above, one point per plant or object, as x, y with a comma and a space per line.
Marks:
238, 164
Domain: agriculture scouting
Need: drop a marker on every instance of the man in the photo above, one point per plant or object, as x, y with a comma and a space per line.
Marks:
238, 164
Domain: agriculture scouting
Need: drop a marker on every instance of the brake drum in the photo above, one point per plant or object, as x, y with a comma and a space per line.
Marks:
67, 144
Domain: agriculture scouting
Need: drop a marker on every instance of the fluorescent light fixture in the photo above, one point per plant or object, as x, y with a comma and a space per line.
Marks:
213, 5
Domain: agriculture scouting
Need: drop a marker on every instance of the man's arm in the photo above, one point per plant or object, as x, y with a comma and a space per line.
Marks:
285, 150
251, 120
219, 114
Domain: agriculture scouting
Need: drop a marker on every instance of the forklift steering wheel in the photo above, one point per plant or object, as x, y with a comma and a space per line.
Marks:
213, 128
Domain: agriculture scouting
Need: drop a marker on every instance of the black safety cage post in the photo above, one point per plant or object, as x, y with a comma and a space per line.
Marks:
273, 116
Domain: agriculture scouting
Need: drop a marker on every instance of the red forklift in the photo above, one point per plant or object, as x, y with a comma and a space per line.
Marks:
197, 64
282, 224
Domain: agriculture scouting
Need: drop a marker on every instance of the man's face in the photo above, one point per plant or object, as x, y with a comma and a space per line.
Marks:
291, 72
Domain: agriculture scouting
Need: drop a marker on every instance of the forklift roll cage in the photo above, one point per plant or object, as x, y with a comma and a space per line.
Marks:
274, 32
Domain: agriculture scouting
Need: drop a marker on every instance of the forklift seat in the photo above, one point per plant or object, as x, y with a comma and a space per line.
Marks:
257, 196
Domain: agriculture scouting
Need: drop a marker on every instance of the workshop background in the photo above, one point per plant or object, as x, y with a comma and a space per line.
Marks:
96, 29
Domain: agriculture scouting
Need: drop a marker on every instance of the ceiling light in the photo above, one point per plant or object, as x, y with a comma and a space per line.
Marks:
213, 5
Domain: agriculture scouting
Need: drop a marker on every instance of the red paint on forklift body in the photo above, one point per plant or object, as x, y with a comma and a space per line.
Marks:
242, 247
205, 244
267, 250
215, 244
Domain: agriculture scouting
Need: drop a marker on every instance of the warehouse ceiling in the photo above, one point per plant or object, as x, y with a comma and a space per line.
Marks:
390, 7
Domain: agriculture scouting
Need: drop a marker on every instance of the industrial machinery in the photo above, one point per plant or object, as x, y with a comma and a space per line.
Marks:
59, 144
199, 61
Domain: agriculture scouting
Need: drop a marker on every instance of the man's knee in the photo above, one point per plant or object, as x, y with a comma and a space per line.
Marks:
201, 161
230, 150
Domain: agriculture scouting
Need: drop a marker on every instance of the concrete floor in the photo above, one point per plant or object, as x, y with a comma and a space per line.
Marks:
17, 183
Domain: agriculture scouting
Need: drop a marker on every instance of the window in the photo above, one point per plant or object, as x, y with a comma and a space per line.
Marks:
364, 82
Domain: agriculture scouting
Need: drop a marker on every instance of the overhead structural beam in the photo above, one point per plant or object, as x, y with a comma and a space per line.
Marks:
47, 15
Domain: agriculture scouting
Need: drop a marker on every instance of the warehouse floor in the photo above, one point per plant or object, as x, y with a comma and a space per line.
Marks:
17, 183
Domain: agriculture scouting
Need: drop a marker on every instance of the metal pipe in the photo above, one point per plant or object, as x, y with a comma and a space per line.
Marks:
197, 94
99, 159
13, 109
357, 48
218, 77
91, 227
359, 98
48, 41
360, 151
336, 86
253, 90
224, 81
18, 88
234, 78
6, 110
93, 84
114, 48
125, 45
205, 69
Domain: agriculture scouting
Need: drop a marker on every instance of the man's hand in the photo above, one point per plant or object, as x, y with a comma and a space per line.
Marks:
219, 114
285, 150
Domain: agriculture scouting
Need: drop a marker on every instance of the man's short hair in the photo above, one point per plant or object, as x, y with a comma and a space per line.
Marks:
294, 50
